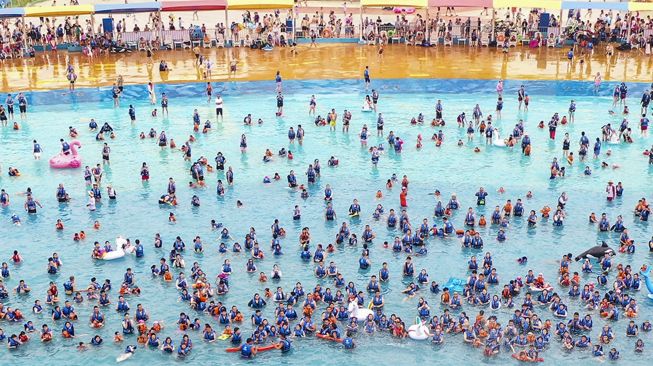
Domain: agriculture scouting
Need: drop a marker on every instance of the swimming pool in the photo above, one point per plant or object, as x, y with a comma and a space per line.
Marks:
449, 168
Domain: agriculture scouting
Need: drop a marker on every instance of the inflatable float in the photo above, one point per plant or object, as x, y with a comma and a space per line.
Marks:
357, 312
124, 357
269, 347
498, 141
398, 10
596, 252
646, 273
614, 139
547, 286
224, 337
516, 356
119, 252
418, 331
67, 161
455, 284
329, 338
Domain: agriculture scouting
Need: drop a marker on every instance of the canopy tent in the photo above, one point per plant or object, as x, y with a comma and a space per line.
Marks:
194, 5
12, 12
259, 4
394, 3
637, 6
590, 5
416, 4
539, 4
54, 11
461, 3
127, 8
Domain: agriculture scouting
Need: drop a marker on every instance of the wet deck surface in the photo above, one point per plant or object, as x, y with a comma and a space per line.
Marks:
338, 61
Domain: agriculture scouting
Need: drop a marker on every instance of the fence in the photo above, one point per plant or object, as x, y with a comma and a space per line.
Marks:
328, 31
189, 38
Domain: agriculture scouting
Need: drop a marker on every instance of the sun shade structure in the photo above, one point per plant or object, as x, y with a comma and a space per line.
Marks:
57, 11
208, 5
127, 8
394, 3
639, 6
12, 13
594, 5
191, 5
540, 4
259, 4
461, 3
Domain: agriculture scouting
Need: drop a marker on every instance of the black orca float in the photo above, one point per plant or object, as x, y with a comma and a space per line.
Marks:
596, 252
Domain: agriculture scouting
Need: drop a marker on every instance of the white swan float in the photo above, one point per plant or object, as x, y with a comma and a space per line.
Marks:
122, 248
498, 141
615, 140
419, 331
357, 312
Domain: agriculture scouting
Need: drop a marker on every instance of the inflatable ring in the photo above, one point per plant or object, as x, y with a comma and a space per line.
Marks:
328, 338
455, 285
326, 33
418, 331
501, 38
516, 356
67, 161
397, 10
258, 349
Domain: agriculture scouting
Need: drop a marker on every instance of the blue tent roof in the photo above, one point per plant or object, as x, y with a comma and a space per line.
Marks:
127, 8
12, 12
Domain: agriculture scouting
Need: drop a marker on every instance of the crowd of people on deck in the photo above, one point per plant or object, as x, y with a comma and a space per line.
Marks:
19, 37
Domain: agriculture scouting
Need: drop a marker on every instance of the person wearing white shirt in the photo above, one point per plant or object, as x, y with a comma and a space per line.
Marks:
218, 106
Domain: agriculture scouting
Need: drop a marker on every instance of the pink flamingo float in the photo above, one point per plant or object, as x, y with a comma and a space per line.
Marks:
67, 161
398, 10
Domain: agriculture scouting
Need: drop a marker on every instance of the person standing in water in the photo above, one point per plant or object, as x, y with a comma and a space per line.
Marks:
164, 104
379, 125
209, 91
311, 106
152, 94
10, 106
597, 82
521, 94
37, 150
22, 105
279, 104
72, 78
219, 104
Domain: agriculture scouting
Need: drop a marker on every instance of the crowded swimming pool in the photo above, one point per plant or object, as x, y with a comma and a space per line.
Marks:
449, 168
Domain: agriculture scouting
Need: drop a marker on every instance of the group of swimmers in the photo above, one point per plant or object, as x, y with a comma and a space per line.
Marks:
338, 314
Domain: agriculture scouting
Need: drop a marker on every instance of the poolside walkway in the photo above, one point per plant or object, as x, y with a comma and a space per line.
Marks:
334, 61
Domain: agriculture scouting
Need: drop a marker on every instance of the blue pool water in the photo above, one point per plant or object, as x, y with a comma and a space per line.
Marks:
449, 168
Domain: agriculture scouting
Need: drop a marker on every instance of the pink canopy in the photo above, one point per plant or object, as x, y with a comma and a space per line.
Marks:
461, 3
